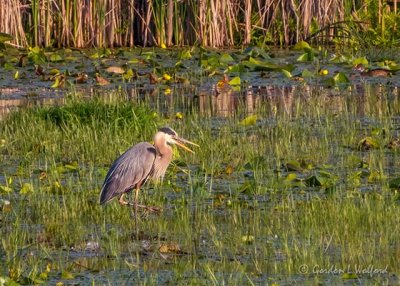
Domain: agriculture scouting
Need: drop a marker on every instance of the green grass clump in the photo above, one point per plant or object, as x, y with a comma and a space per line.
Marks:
84, 131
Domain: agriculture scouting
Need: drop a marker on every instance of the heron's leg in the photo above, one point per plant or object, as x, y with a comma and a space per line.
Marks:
136, 200
136, 204
136, 197
122, 201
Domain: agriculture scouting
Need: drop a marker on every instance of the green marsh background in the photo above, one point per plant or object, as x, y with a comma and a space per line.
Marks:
297, 176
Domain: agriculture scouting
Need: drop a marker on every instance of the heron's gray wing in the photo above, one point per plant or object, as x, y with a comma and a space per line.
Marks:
131, 169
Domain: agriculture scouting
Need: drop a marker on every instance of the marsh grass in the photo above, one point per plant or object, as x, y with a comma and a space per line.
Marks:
232, 215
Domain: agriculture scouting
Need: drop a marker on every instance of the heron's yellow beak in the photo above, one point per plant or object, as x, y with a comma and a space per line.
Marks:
181, 143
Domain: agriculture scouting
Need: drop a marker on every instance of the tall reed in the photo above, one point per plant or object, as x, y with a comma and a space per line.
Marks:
212, 23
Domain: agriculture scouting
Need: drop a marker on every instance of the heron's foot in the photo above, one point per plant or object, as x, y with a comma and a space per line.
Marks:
122, 202
153, 209
150, 209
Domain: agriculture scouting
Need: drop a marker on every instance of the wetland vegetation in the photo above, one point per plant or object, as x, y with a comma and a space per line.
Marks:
296, 180
299, 178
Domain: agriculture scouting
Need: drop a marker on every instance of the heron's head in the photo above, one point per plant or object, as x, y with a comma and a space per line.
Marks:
170, 137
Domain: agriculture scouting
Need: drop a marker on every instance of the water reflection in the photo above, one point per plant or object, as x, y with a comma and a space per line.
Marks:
8, 105
361, 99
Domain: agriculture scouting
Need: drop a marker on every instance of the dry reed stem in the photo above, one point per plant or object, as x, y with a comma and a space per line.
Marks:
213, 23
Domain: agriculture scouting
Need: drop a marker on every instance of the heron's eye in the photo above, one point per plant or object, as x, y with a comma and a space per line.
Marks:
170, 140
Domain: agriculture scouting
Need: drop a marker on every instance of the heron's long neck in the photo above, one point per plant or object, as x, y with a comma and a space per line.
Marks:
164, 157
164, 151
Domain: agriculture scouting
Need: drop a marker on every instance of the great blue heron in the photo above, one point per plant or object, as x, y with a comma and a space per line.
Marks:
139, 163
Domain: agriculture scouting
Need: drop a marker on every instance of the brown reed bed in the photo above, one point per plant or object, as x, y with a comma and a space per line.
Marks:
211, 23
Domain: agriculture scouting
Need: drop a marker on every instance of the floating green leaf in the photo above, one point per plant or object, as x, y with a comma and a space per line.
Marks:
67, 275
55, 58
258, 65
340, 78
249, 120
306, 57
320, 179
294, 166
256, 52
5, 189
37, 55
26, 189
128, 74
185, 55
9, 66
286, 73
291, 177
302, 45
134, 61
235, 81
349, 276
236, 68
339, 59
226, 59
307, 74
360, 61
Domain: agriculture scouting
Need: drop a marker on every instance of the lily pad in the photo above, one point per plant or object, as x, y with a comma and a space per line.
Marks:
360, 61
256, 52
235, 81
286, 73
308, 56
55, 58
67, 275
349, 276
249, 120
294, 166
26, 189
307, 74
226, 59
236, 68
258, 65
185, 54
5, 189
341, 78
302, 45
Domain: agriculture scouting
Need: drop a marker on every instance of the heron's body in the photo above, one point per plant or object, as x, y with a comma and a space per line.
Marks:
139, 163
125, 174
